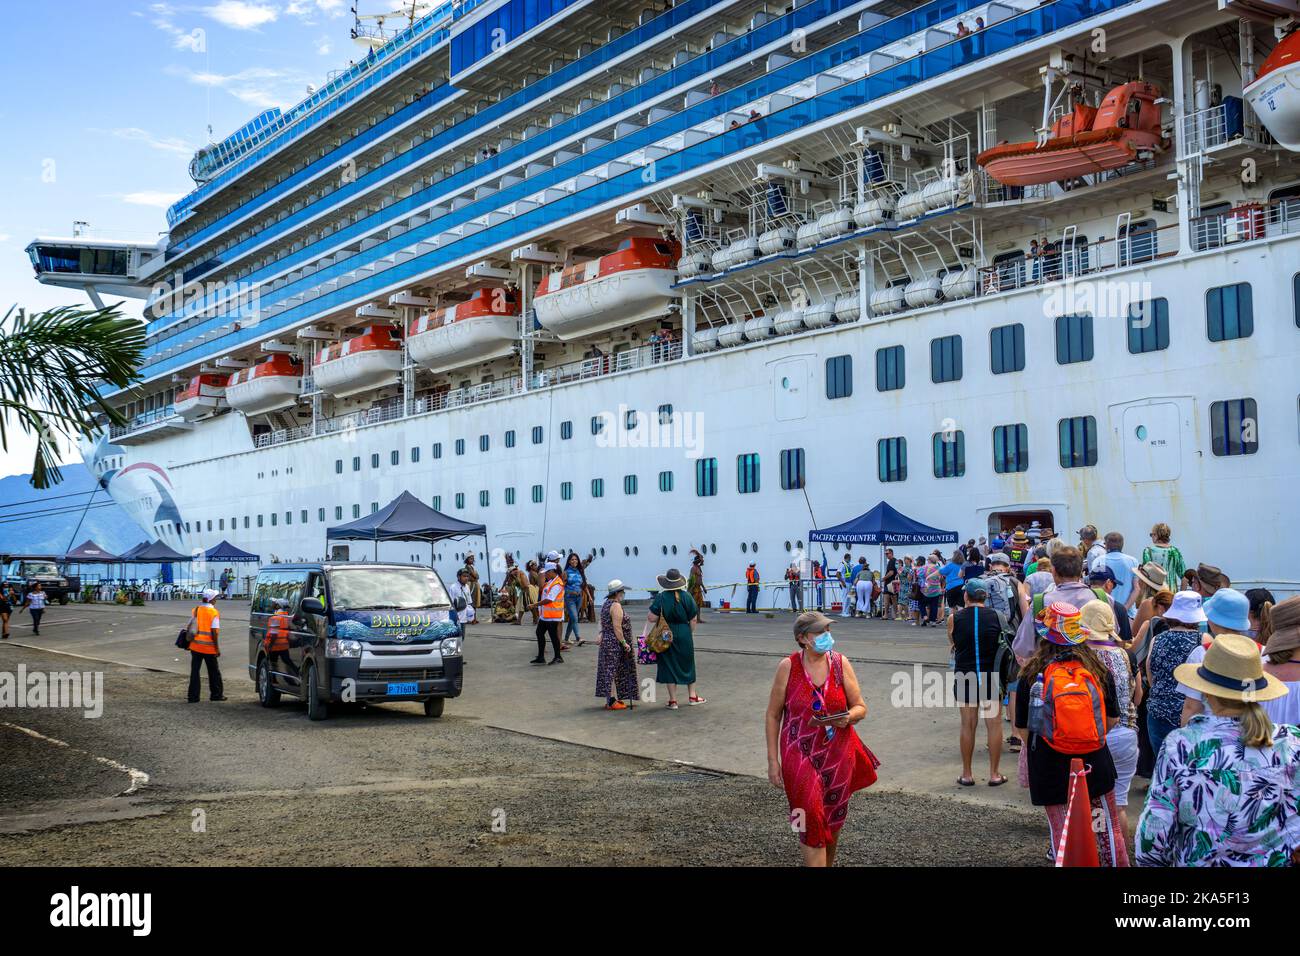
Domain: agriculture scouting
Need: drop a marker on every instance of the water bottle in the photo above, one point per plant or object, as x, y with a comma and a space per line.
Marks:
1036, 716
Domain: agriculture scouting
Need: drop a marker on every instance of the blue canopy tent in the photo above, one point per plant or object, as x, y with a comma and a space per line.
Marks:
883, 525
225, 551
407, 518
88, 552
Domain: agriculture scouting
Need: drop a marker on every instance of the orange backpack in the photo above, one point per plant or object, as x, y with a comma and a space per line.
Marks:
1074, 710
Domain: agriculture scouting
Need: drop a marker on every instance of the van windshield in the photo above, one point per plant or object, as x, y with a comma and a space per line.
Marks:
374, 589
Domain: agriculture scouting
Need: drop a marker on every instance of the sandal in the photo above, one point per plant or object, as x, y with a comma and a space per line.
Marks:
672, 705
965, 782
693, 701
1014, 744
997, 781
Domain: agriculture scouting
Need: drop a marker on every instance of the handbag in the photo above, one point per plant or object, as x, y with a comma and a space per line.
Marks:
183, 639
660, 637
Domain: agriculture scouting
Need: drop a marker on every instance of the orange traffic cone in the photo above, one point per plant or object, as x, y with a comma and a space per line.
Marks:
1078, 846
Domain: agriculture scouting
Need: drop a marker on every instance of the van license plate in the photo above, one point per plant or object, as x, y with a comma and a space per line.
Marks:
403, 689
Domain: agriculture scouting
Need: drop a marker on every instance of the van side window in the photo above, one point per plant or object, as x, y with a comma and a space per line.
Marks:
262, 593
315, 588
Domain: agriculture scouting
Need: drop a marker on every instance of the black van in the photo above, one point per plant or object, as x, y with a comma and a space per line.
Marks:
358, 632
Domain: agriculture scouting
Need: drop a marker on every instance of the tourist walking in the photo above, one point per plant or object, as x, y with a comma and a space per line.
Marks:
616, 660
930, 580
1121, 565
6, 609
862, 585
813, 752
1093, 550
1281, 632
1122, 739
973, 636
889, 587
677, 661
575, 583
1067, 569
1220, 781
952, 593
1056, 730
35, 603
1162, 553
1170, 649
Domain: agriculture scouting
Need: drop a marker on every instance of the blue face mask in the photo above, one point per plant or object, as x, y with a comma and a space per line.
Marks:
823, 643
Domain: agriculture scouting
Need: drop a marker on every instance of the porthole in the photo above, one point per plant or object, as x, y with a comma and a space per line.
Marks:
635, 551
799, 545
787, 545
665, 549
713, 549
674, 549
627, 552
1141, 433
754, 546
743, 547
602, 552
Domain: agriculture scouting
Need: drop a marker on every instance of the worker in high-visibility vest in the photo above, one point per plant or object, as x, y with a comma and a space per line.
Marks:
752, 581
205, 632
276, 641
550, 602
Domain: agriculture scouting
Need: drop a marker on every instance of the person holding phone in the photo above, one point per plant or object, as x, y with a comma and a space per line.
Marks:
813, 752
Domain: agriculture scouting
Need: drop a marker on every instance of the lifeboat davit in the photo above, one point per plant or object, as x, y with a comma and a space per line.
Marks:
1124, 128
368, 361
485, 327
201, 397
629, 285
1275, 93
267, 386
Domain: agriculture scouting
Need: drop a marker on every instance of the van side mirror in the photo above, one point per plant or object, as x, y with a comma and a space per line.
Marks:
313, 606
459, 604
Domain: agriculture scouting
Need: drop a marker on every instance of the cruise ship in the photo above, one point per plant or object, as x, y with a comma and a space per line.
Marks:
639, 279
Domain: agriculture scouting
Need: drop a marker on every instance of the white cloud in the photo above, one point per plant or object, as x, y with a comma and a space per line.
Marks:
5, 237
166, 144
241, 15
324, 47
257, 86
151, 197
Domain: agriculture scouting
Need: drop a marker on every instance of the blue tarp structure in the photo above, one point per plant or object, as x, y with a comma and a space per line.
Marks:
883, 524
405, 518
227, 552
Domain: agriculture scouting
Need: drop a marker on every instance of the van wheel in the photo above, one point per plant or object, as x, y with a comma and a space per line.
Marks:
63, 599
316, 708
433, 706
267, 695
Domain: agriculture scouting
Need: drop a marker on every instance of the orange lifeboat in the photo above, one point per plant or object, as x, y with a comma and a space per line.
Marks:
267, 386
201, 397
633, 283
485, 327
1275, 93
1124, 129
366, 362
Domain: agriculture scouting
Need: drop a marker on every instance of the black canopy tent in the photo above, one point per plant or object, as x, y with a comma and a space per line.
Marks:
407, 518
88, 552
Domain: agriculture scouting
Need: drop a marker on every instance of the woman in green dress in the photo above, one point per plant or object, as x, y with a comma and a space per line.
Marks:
677, 662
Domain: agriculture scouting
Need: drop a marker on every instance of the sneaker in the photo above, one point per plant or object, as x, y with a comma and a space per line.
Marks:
217, 700
617, 705
538, 660
557, 659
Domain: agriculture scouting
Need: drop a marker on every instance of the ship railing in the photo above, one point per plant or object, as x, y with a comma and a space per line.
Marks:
281, 435
389, 411
596, 366
1245, 223
1080, 258
142, 420
1217, 126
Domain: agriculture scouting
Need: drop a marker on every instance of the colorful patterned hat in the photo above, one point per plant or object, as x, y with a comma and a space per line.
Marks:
1061, 624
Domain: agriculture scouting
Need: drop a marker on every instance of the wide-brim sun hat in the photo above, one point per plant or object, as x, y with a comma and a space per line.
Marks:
1186, 608
1099, 619
1229, 609
672, 581
1152, 575
1232, 669
1285, 617
1061, 624
614, 587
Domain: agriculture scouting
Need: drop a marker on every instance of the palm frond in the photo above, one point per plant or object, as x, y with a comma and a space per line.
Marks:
52, 366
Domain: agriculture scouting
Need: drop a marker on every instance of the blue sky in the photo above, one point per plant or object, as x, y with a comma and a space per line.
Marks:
105, 102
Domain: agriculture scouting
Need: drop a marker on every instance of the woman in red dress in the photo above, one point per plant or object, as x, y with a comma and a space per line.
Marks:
813, 752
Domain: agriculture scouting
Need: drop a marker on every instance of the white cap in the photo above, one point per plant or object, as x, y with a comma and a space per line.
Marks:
550, 566
553, 556
615, 586
209, 594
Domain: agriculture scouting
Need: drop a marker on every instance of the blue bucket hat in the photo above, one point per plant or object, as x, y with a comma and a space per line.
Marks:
1228, 608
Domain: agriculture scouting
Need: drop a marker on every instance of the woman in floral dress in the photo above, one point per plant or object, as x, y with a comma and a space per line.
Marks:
616, 660
1226, 788
819, 763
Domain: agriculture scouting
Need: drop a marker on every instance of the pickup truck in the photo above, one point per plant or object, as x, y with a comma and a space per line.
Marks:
22, 573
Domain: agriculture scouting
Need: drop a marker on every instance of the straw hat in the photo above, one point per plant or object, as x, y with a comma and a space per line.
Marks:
1152, 575
1286, 626
1232, 669
1099, 619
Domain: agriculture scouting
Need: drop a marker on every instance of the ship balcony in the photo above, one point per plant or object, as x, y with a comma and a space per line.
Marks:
1246, 223
1223, 133
160, 423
